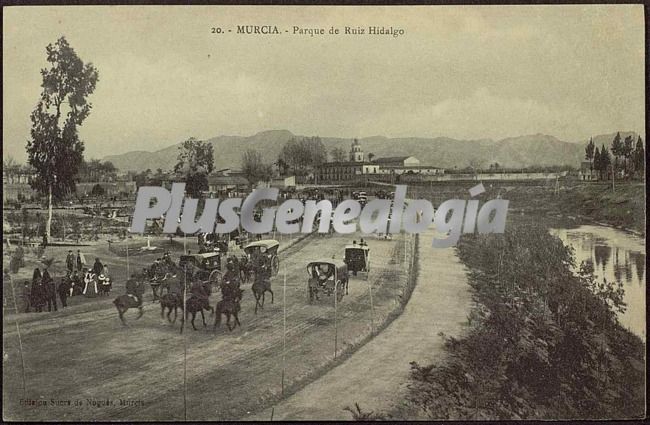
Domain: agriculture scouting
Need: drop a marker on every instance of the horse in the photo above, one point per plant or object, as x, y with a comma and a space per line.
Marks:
195, 304
229, 306
171, 302
261, 285
131, 300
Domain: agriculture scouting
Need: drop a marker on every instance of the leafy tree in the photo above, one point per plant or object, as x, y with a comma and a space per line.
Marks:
639, 157
597, 161
617, 149
628, 149
254, 168
303, 154
195, 162
605, 161
371, 156
282, 166
338, 154
98, 190
54, 149
10, 167
589, 153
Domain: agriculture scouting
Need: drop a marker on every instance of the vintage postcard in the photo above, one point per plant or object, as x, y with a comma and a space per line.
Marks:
253, 213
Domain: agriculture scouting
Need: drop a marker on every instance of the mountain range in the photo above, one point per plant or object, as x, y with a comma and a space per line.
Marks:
521, 151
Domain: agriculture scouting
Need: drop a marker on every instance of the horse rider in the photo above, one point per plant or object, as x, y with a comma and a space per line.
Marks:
199, 291
231, 277
258, 261
175, 286
132, 288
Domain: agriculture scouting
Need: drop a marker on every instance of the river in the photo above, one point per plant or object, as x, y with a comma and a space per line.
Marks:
616, 256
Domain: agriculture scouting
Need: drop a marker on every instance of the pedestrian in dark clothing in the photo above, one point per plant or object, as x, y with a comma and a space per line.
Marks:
81, 261
76, 285
98, 267
49, 289
64, 290
70, 261
37, 295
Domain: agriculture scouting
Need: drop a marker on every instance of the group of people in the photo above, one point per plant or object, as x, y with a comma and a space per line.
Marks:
78, 280
41, 291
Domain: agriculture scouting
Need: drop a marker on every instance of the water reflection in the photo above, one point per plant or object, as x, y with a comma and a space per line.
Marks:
616, 256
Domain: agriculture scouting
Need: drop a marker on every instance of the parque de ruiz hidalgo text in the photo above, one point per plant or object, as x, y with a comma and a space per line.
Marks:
312, 31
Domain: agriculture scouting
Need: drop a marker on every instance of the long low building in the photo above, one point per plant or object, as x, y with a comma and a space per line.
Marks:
358, 168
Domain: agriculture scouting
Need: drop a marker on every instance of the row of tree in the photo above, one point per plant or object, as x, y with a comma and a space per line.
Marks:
626, 159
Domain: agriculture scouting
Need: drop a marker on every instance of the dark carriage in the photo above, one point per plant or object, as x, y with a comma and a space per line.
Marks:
357, 258
327, 276
268, 249
207, 266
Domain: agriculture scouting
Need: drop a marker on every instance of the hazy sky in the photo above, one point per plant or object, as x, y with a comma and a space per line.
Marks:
458, 71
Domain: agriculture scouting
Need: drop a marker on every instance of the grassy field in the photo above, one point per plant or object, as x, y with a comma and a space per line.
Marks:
575, 201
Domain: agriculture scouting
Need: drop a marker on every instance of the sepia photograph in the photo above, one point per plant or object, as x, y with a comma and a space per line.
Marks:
310, 213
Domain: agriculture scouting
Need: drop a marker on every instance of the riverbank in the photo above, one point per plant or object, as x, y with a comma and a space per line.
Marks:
580, 202
543, 343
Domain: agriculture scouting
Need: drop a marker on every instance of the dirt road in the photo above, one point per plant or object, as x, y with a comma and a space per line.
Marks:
82, 364
376, 375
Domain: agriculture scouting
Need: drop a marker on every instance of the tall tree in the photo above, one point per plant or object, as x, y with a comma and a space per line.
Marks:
282, 166
628, 149
617, 149
10, 167
303, 154
195, 161
605, 161
338, 154
54, 149
589, 153
597, 163
254, 168
639, 158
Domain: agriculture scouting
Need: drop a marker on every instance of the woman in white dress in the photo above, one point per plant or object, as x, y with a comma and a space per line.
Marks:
90, 284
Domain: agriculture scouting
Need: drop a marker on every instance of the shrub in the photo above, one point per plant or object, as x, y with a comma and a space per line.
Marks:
544, 342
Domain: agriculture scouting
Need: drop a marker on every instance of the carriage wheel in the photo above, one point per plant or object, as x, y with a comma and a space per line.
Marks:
215, 279
311, 294
275, 265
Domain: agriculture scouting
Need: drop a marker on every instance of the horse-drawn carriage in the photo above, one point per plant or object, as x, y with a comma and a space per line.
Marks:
267, 249
207, 266
357, 258
327, 276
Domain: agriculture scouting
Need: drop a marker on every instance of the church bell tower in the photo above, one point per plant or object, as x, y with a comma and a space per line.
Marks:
356, 154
